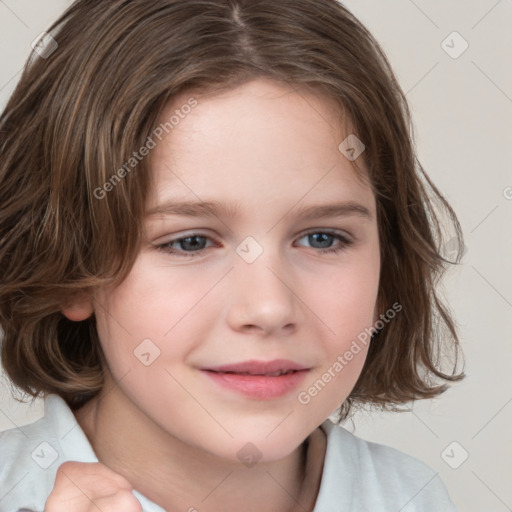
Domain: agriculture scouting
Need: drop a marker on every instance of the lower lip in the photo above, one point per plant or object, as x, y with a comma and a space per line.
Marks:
259, 387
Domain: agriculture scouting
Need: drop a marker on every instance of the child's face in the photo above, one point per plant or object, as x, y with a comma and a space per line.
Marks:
269, 152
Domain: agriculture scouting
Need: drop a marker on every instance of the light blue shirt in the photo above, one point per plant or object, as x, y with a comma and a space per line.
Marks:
358, 476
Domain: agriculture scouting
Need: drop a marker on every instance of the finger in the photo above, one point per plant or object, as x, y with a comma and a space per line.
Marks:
123, 501
79, 486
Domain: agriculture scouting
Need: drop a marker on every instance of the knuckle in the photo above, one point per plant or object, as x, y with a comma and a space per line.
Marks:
123, 500
52, 505
70, 468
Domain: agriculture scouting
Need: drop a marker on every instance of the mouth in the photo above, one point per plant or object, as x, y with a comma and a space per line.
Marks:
273, 368
273, 374
261, 380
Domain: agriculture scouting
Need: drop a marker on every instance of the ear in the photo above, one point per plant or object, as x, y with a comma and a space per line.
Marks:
78, 309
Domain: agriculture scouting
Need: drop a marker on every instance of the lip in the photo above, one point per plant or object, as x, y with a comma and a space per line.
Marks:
253, 379
258, 367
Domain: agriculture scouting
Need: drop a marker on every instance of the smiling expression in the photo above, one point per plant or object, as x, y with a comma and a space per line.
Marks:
262, 245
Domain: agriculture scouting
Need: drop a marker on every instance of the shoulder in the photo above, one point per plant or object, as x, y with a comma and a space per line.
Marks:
381, 478
31, 454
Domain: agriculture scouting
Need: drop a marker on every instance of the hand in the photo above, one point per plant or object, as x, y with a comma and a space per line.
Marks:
89, 487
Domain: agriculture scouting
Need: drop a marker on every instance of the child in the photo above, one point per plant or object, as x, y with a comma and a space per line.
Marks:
214, 233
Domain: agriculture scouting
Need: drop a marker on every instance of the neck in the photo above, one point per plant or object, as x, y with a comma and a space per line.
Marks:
181, 477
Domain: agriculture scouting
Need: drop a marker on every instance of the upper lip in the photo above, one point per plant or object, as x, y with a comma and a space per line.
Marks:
258, 367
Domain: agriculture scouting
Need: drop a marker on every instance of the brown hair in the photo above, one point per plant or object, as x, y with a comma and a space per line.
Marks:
79, 114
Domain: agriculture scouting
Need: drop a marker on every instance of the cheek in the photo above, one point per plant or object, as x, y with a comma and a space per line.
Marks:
148, 313
347, 307
347, 302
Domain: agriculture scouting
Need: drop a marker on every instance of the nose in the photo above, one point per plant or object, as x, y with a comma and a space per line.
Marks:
261, 297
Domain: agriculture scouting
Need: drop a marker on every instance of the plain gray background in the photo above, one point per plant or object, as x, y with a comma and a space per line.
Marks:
462, 110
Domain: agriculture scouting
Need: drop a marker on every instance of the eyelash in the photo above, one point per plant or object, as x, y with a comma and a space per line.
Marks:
344, 243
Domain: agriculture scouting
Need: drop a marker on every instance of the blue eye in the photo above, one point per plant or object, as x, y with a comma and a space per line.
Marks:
189, 244
195, 244
323, 240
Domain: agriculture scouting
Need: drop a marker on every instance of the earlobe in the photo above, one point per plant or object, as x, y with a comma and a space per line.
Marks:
78, 310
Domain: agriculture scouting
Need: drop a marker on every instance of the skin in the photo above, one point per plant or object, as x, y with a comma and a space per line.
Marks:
83, 487
166, 428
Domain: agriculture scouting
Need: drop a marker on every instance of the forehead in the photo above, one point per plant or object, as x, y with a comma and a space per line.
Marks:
264, 140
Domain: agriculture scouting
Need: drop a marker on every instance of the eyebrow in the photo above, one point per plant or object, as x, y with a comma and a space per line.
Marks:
230, 211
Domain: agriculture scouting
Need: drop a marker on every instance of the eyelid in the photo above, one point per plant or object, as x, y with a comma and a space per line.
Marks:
344, 240
163, 245
199, 232
167, 239
329, 231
